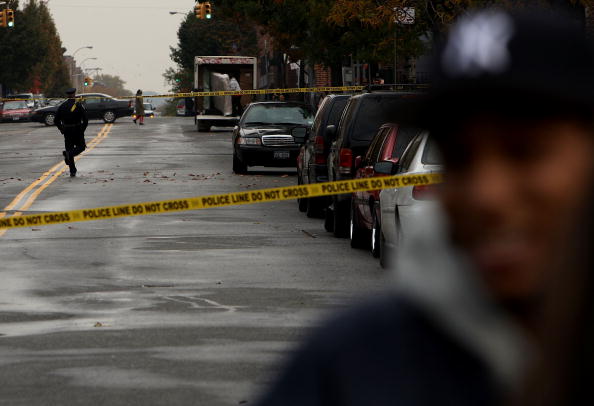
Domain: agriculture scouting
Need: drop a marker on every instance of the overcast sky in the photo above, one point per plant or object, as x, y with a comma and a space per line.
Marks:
130, 38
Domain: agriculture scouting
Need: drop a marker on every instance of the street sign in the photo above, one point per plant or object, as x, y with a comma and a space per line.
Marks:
404, 15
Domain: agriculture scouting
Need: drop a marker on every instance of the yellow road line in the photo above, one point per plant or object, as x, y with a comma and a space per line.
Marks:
55, 176
53, 173
20, 196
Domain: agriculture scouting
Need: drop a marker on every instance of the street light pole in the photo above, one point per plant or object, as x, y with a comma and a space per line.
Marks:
74, 61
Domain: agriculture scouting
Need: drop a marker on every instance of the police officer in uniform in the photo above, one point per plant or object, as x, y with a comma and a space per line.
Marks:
71, 120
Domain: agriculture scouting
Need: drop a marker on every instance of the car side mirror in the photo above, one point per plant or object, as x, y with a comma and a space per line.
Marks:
300, 134
358, 161
386, 167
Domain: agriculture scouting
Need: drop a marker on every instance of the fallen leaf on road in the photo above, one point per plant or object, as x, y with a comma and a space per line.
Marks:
35, 229
98, 324
285, 176
147, 181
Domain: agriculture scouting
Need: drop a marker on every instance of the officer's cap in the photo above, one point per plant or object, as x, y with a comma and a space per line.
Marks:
71, 90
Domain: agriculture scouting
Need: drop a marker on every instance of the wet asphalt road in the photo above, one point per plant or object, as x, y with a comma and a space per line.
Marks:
177, 309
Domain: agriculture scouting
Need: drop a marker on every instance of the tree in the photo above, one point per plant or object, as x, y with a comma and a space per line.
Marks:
32, 51
112, 85
222, 35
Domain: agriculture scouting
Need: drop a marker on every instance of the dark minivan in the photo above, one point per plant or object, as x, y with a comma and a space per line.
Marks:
312, 164
363, 116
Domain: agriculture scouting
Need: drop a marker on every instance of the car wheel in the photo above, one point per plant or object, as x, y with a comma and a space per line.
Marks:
329, 220
109, 117
385, 255
358, 236
341, 219
239, 167
376, 232
49, 119
314, 207
301, 202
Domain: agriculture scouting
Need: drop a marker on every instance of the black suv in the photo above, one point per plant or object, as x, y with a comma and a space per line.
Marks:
265, 135
312, 165
363, 116
98, 105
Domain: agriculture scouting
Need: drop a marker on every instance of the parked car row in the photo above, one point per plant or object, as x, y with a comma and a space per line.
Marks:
353, 137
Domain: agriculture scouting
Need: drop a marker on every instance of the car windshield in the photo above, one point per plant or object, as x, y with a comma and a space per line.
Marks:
15, 105
278, 114
374, 112
148, 106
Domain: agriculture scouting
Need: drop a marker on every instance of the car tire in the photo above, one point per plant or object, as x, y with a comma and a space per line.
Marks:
328, 220
314, 207
376, 237
358, 236
109, 117
341, 219
239, 167
49, 119
301, 202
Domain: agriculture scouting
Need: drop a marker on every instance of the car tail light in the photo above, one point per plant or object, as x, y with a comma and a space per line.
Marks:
129, 104
320, 158
424, 192
345, 162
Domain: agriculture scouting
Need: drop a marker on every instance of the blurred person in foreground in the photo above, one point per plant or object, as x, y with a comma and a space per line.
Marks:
511, 108
563, 372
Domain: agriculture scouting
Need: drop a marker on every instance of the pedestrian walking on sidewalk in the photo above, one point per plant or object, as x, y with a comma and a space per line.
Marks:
71, 120
139, 107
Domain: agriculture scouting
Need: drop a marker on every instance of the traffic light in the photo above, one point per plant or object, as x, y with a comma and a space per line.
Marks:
2, 18
87, 81
207, 10
198, 9
9, 18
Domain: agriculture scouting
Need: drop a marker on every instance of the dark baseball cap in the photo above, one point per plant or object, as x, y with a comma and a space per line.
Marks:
528, 64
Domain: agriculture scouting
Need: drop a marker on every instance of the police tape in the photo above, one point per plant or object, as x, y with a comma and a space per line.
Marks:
231, 93
221, 200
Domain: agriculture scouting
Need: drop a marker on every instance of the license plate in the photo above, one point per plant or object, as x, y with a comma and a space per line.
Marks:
282, 154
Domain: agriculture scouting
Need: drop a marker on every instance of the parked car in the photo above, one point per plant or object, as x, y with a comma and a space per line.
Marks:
26, 97
15, 110
402, 207
363, 116
312, 164
264, 135
365, 216
149, 111
99, 106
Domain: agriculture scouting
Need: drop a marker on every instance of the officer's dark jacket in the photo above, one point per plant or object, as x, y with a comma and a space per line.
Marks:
71, 117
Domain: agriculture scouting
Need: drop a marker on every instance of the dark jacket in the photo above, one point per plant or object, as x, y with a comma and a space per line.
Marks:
139, 105
71, 117
437, 340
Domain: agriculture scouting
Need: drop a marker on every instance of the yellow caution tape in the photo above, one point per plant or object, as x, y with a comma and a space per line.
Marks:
221, 200
236, 92
399, 87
